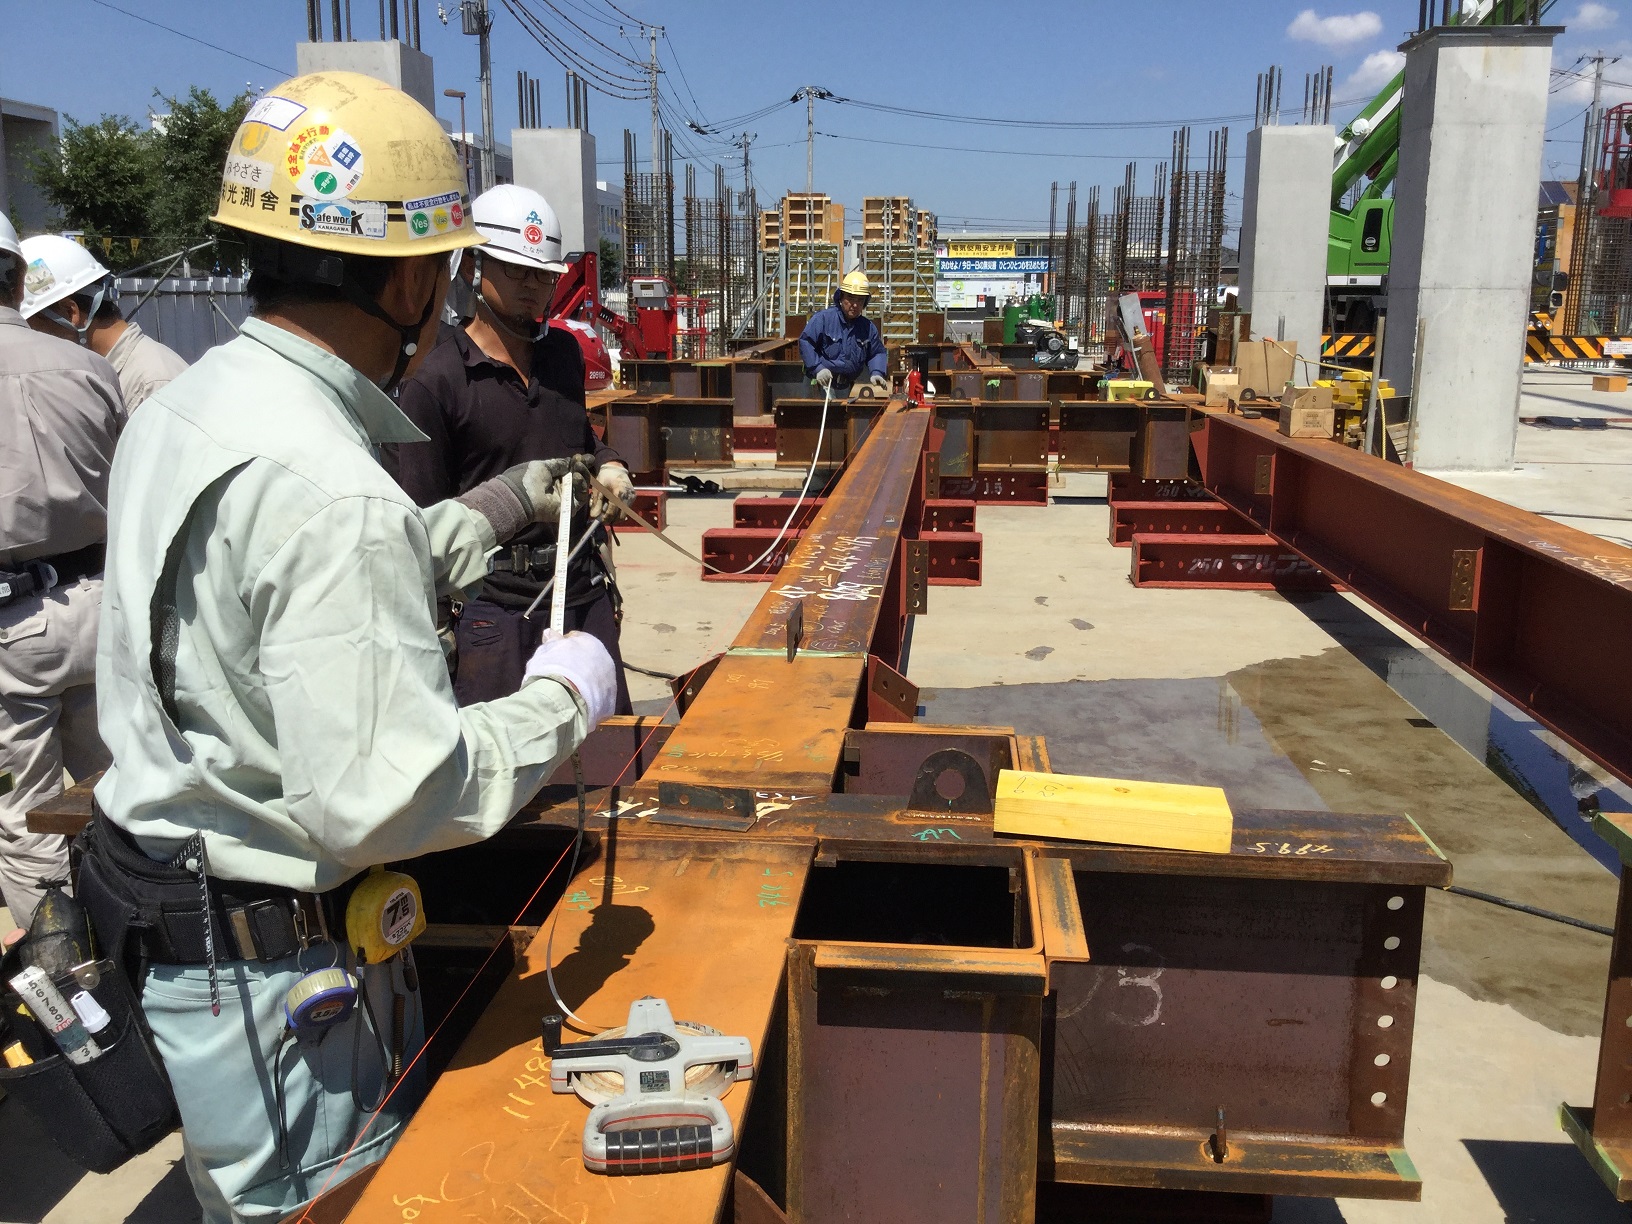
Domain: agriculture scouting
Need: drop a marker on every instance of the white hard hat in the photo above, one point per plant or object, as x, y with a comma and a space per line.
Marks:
8, 237
58, 268
520, 227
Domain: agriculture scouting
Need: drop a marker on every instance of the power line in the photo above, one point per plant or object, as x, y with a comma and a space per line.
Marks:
1058, 156
1053, 124
193, 38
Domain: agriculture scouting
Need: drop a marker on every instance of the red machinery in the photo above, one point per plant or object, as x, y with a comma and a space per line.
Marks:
1615, 163
577, 306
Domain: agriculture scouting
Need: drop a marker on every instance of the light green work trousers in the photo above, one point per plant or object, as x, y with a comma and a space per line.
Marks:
223, 1067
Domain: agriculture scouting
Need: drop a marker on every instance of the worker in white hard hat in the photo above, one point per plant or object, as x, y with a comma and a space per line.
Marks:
69, 294
270, 681
841, 346
503, 388
60, 414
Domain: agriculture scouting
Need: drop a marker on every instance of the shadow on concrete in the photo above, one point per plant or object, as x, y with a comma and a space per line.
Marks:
169, 1201
50, 1174
1543, 1183
1306, 1211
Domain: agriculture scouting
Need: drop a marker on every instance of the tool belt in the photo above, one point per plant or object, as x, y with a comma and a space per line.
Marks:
536, 563
38, 575
146, 912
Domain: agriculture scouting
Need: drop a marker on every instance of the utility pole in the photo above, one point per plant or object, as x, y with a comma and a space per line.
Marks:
657, 119
485, 46
810, 93
742, 142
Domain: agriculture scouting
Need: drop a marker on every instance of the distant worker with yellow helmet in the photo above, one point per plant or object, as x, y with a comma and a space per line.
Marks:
840, 345
69, 294
270, 682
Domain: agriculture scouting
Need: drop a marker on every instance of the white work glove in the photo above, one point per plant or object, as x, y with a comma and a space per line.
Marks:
613, 478
880, 384
824, 378
584, 664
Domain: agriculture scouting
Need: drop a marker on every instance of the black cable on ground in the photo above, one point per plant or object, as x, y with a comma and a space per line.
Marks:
646, 671
1532, 910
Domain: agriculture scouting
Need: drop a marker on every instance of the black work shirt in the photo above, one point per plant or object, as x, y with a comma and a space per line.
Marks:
481, 419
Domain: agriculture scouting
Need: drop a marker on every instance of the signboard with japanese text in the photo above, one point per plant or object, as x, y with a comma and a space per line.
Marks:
970, 249
991, 267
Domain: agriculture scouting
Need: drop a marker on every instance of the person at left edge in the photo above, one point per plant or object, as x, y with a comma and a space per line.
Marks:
504, 388
269, 678
69, 294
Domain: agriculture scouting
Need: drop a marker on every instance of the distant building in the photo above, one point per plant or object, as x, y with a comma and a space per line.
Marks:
611, 203
25, 129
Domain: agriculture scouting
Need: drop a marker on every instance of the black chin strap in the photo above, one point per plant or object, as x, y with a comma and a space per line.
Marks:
538, 329
409, 335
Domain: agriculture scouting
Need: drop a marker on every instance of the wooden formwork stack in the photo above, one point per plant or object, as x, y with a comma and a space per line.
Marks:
799, 278
902, 277
927, 229
770, 229
811, 218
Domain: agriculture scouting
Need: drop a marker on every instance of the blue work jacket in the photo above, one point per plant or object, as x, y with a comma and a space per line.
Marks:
831, 342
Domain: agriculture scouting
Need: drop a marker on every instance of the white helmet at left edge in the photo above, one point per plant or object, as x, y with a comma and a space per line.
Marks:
8, 238
520, 227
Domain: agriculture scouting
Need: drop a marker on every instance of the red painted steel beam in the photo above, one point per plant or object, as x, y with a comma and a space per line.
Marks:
944, 514
1013, 488
773, 512
745, 553
653, 506
1254, 562
1540, 612
1129, 519
954, 557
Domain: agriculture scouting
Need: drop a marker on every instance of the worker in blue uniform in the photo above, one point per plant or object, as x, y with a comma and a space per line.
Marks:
841, 346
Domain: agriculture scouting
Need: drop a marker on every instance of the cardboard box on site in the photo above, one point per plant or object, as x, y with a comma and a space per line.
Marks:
1220, 385
1266, 366
1306, 412
1609, 382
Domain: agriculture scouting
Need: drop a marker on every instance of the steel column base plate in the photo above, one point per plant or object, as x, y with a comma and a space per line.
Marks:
1611, 1161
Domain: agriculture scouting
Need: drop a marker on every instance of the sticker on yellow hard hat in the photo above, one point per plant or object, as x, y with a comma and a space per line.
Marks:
433, 215
274, 112
325, 162
353, 218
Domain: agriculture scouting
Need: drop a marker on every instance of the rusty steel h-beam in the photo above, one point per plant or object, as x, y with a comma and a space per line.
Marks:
942, 1017
1540, 612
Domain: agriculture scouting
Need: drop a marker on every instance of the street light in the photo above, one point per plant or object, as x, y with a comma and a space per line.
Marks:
464, 136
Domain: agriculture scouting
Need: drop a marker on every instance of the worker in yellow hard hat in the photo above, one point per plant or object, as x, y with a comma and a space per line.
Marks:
270, 682
840, 345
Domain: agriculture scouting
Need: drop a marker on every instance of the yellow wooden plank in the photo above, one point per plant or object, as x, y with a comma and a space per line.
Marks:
1121, 811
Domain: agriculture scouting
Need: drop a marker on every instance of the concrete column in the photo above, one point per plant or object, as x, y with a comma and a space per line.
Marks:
559, 164
393, 62
1475, 108
1284, 219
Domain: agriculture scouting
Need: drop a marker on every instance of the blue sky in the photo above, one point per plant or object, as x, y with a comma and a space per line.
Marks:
1104, 62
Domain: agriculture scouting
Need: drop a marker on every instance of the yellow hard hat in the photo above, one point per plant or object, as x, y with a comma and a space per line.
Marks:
855, 284
343, 162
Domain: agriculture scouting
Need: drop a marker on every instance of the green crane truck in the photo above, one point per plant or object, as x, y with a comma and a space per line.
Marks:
1359, 238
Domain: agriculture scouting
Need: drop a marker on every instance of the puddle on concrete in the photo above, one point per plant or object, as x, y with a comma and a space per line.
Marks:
1189, 731
1551, 777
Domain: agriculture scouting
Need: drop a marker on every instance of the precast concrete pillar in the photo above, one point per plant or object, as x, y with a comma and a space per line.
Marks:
559, 164
393, 62
1284, 219
1474, 112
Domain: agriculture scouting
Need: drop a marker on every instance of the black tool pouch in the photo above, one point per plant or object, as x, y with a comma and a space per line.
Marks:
103, 1112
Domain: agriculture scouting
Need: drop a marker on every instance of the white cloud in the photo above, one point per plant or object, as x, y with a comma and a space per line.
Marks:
1591, 16
1341, 29
1375, 71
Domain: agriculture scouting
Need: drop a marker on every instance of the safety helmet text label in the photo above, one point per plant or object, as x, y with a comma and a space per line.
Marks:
433, 215
357, 219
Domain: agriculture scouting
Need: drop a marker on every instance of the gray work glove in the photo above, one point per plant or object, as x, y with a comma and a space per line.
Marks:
824, 378
880, 384
613, 478
525, 494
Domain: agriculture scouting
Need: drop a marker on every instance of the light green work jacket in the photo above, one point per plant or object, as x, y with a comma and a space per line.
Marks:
315, 731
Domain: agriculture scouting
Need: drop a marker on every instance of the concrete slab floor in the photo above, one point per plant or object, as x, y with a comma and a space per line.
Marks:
1308, 703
